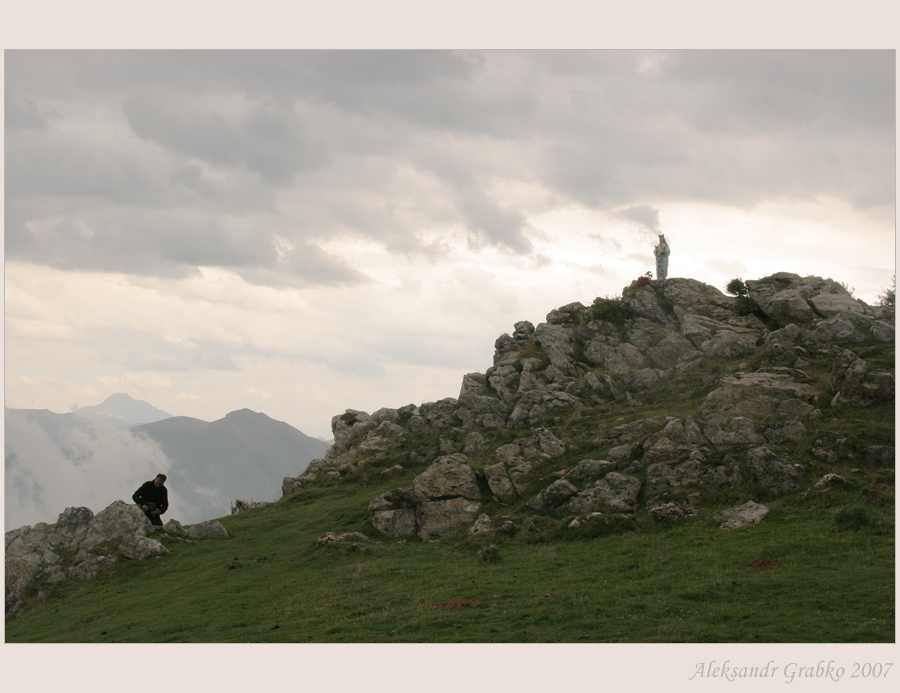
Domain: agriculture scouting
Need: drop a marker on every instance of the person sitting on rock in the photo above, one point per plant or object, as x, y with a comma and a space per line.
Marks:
153, 498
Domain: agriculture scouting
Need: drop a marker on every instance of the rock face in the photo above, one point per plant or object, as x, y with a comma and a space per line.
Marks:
788, 298
614, 494
855, 385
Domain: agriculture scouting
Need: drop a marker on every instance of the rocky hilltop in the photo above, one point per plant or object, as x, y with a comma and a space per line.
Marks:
670, 401
738, 388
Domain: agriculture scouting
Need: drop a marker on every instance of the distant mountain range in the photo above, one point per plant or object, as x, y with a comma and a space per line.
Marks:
245, 455
101, 453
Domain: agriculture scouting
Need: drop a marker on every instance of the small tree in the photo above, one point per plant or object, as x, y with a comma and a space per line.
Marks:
887, 297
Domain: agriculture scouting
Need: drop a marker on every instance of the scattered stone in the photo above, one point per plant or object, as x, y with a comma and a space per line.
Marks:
672, 512
834, 447
174, 527
242, 505
829, 480
742, 515
290, 485
332, 537
879, 455
482, 524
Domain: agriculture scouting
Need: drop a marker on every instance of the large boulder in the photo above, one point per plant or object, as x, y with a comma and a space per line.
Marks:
440, 516
343, 427
450, 476
730, 343
692, 297
504, 380
550, 498
394, 513
500, 483
118, 522
211, 529
788, 298
774, 474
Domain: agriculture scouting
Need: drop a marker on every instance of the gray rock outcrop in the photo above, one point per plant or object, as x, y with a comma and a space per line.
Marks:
77, 546
774, 475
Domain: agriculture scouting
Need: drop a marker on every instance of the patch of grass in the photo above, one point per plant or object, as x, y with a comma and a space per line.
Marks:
853, 518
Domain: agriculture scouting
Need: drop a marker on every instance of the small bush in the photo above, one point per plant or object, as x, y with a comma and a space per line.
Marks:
887, 298
736, 287
490, 555
853, 518
610, 310
744, 305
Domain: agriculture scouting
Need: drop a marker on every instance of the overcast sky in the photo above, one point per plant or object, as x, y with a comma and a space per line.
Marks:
303, 232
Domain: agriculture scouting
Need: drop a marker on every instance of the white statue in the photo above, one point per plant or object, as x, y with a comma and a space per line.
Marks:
661, 251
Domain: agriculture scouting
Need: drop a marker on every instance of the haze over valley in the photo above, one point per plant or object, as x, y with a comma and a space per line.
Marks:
99, 454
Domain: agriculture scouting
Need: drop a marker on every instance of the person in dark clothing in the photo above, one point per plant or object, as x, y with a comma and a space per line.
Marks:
153, 498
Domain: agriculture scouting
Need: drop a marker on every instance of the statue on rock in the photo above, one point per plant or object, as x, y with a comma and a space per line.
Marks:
661, 251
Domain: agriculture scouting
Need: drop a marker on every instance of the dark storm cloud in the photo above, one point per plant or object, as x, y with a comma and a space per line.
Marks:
266, 140
161, 161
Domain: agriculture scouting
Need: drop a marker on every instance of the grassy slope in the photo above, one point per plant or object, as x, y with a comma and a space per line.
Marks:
643, 583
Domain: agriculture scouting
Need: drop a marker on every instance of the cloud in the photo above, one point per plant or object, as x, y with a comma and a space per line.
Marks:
159, 162
644, 216
54, 462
